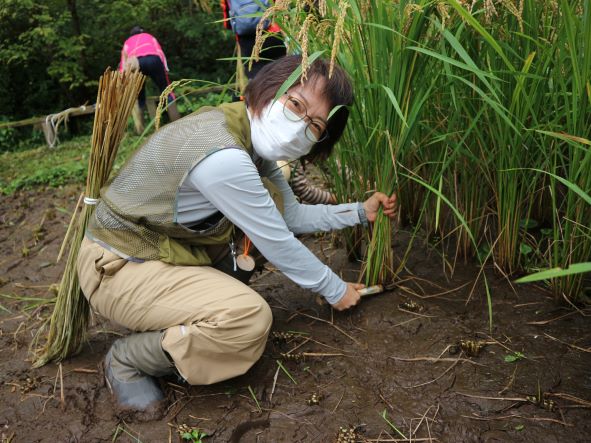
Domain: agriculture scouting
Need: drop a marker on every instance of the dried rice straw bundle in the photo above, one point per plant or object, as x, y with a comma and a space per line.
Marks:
117, 94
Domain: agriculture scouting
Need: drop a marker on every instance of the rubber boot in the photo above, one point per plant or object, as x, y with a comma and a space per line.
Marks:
138, 118
173, 112
129, 368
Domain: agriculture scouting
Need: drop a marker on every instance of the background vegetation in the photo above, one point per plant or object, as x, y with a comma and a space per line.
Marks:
52, 52
39, 165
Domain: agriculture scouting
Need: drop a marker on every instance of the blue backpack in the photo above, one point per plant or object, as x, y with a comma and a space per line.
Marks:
242, 25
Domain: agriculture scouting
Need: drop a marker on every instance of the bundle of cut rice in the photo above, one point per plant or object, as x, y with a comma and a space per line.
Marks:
117, 94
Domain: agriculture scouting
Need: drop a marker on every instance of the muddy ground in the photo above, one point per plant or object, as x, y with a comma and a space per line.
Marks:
371, 369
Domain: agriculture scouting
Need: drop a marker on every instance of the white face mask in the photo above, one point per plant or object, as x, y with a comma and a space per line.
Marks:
276, 137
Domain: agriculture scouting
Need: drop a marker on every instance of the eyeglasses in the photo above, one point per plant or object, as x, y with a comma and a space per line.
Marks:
295, 111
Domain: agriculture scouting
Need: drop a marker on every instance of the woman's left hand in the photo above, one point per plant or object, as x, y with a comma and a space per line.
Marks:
373, 203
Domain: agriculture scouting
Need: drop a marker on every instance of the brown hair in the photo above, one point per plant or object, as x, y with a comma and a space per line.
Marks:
337, 90
136, 30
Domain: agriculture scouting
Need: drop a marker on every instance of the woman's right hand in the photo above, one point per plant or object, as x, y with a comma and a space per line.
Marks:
351, 297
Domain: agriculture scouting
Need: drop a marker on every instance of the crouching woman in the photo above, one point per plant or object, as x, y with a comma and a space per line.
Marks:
168, 251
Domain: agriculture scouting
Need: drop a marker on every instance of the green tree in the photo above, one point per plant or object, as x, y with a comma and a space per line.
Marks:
53, 51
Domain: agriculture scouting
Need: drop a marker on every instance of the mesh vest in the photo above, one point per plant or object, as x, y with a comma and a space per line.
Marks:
136, 216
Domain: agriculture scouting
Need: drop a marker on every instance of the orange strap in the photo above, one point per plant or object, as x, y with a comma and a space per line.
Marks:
273, 27
247, 244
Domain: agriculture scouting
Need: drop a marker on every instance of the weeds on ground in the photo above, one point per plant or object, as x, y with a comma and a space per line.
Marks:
192, 435
384, 415
55, 167
516, 356
27, 304
68, 162
286, 372
121, 430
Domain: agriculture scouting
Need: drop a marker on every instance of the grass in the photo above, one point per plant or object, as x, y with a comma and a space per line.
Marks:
286, 372
42, 166
254, 397
122, 431
37, 165
384, 415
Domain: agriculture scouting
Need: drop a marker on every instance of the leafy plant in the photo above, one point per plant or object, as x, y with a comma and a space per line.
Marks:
194, 435
283, 368
515, 356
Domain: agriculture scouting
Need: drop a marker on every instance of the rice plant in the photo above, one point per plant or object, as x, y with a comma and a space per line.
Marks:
538, 53
370, 40
476, 112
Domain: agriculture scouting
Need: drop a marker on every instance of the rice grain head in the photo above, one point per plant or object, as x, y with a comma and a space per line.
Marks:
489, 11
443, 12
515, 11
365, 7
338, 34
467, 4
163, 100
409, 10
322, 7
323, 29
305, 6
279, 6
303, 39
553, 5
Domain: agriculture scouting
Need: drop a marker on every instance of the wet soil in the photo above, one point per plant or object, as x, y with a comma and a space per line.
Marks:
379, 372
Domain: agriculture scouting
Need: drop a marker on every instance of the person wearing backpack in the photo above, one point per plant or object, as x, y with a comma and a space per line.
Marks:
141, 51
237, 17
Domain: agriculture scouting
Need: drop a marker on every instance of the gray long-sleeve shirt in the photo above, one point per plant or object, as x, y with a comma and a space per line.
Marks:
228, 181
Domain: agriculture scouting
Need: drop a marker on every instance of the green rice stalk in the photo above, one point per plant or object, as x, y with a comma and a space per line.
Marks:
572, 162
466, 96
390, 95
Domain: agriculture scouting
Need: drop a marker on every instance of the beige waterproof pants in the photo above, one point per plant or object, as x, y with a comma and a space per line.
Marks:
215, 327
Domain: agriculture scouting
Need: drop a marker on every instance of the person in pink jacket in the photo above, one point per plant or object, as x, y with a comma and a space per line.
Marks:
141, 51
